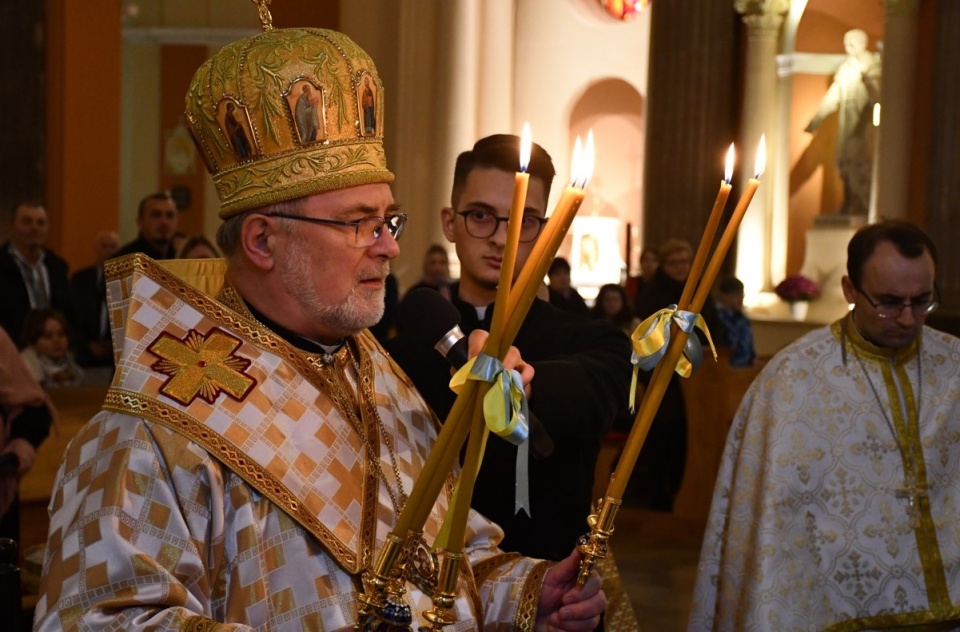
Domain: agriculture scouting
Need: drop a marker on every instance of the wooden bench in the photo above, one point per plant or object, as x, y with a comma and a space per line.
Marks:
711, 396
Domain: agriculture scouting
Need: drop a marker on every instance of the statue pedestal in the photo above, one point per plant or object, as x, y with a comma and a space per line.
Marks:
825, 261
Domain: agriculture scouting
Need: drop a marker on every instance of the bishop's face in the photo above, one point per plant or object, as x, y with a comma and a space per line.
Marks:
889, 278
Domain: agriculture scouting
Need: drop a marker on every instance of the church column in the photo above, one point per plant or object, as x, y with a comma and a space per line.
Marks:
896, 99
943, 168
763, 19
495, 86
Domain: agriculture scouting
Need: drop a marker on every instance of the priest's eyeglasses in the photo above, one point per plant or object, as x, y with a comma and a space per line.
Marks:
482, 224
919, 305
366, 230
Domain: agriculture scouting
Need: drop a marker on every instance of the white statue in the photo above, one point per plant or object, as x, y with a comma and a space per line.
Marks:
854, 91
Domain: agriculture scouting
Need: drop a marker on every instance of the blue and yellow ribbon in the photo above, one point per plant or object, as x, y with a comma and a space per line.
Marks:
652, 337
506, 414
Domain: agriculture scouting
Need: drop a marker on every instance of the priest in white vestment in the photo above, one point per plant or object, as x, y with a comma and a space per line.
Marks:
837, 504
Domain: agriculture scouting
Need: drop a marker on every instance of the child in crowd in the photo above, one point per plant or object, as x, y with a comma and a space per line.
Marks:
735, 331
46, 350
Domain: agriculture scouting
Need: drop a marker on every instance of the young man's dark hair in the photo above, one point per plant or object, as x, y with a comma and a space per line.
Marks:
500, 152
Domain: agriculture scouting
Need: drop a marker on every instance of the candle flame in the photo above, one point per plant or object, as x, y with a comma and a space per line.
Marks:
581, 167
576, 162
728, 169
761, 163
876, 115
589, 156
525, 147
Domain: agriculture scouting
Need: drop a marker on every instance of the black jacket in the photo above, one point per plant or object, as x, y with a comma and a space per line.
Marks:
89, 291
582, 380
142, 245
14, 299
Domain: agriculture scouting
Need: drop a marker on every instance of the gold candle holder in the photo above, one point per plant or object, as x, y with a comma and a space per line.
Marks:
697, 287
439, 615
380, 601
594, 546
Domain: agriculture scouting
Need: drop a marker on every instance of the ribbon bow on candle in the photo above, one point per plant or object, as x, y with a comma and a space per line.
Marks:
505, 411
651, 338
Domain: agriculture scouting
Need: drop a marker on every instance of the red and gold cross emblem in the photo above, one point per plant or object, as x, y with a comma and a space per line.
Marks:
201, 366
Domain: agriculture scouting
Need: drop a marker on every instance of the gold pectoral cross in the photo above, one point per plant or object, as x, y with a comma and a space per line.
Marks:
912, 492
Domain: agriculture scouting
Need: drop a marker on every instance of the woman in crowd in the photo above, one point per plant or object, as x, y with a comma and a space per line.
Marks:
613, 304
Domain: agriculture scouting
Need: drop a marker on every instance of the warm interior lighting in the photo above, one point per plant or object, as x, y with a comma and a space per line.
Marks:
876, 115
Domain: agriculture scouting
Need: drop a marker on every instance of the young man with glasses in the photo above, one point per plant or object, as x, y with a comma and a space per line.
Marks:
836, 504
258, 445
582, 366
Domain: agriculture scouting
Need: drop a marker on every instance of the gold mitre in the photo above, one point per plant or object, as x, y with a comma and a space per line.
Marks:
286, 114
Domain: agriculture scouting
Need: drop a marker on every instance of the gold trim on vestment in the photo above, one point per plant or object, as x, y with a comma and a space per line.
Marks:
199, 624
922, 621
483, 568
529, 600
137, 405
911, 454
238, 320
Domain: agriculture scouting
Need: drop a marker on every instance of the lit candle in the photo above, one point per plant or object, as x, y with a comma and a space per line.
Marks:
459, 510
732, 226
554, 231
509, 259
653, 395
601, 523
706, 241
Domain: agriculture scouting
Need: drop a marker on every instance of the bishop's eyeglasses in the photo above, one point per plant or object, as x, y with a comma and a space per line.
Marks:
919, 305
366, 230
482, 224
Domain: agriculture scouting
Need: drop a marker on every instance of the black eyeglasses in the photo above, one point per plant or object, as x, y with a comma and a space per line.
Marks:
366, 230
893, 309
483, 224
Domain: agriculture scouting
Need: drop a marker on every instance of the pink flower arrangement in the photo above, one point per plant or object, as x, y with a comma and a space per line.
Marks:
798, 288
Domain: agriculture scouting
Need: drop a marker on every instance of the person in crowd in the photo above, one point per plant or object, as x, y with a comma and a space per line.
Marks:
258, 446
157, 218
562, 294
45, 350
91, 322
31, 276
582, 366
613, 304
386, 327
735, 332
637, 285
662, 460
436, 271
834, 507
26, 414
198, 247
